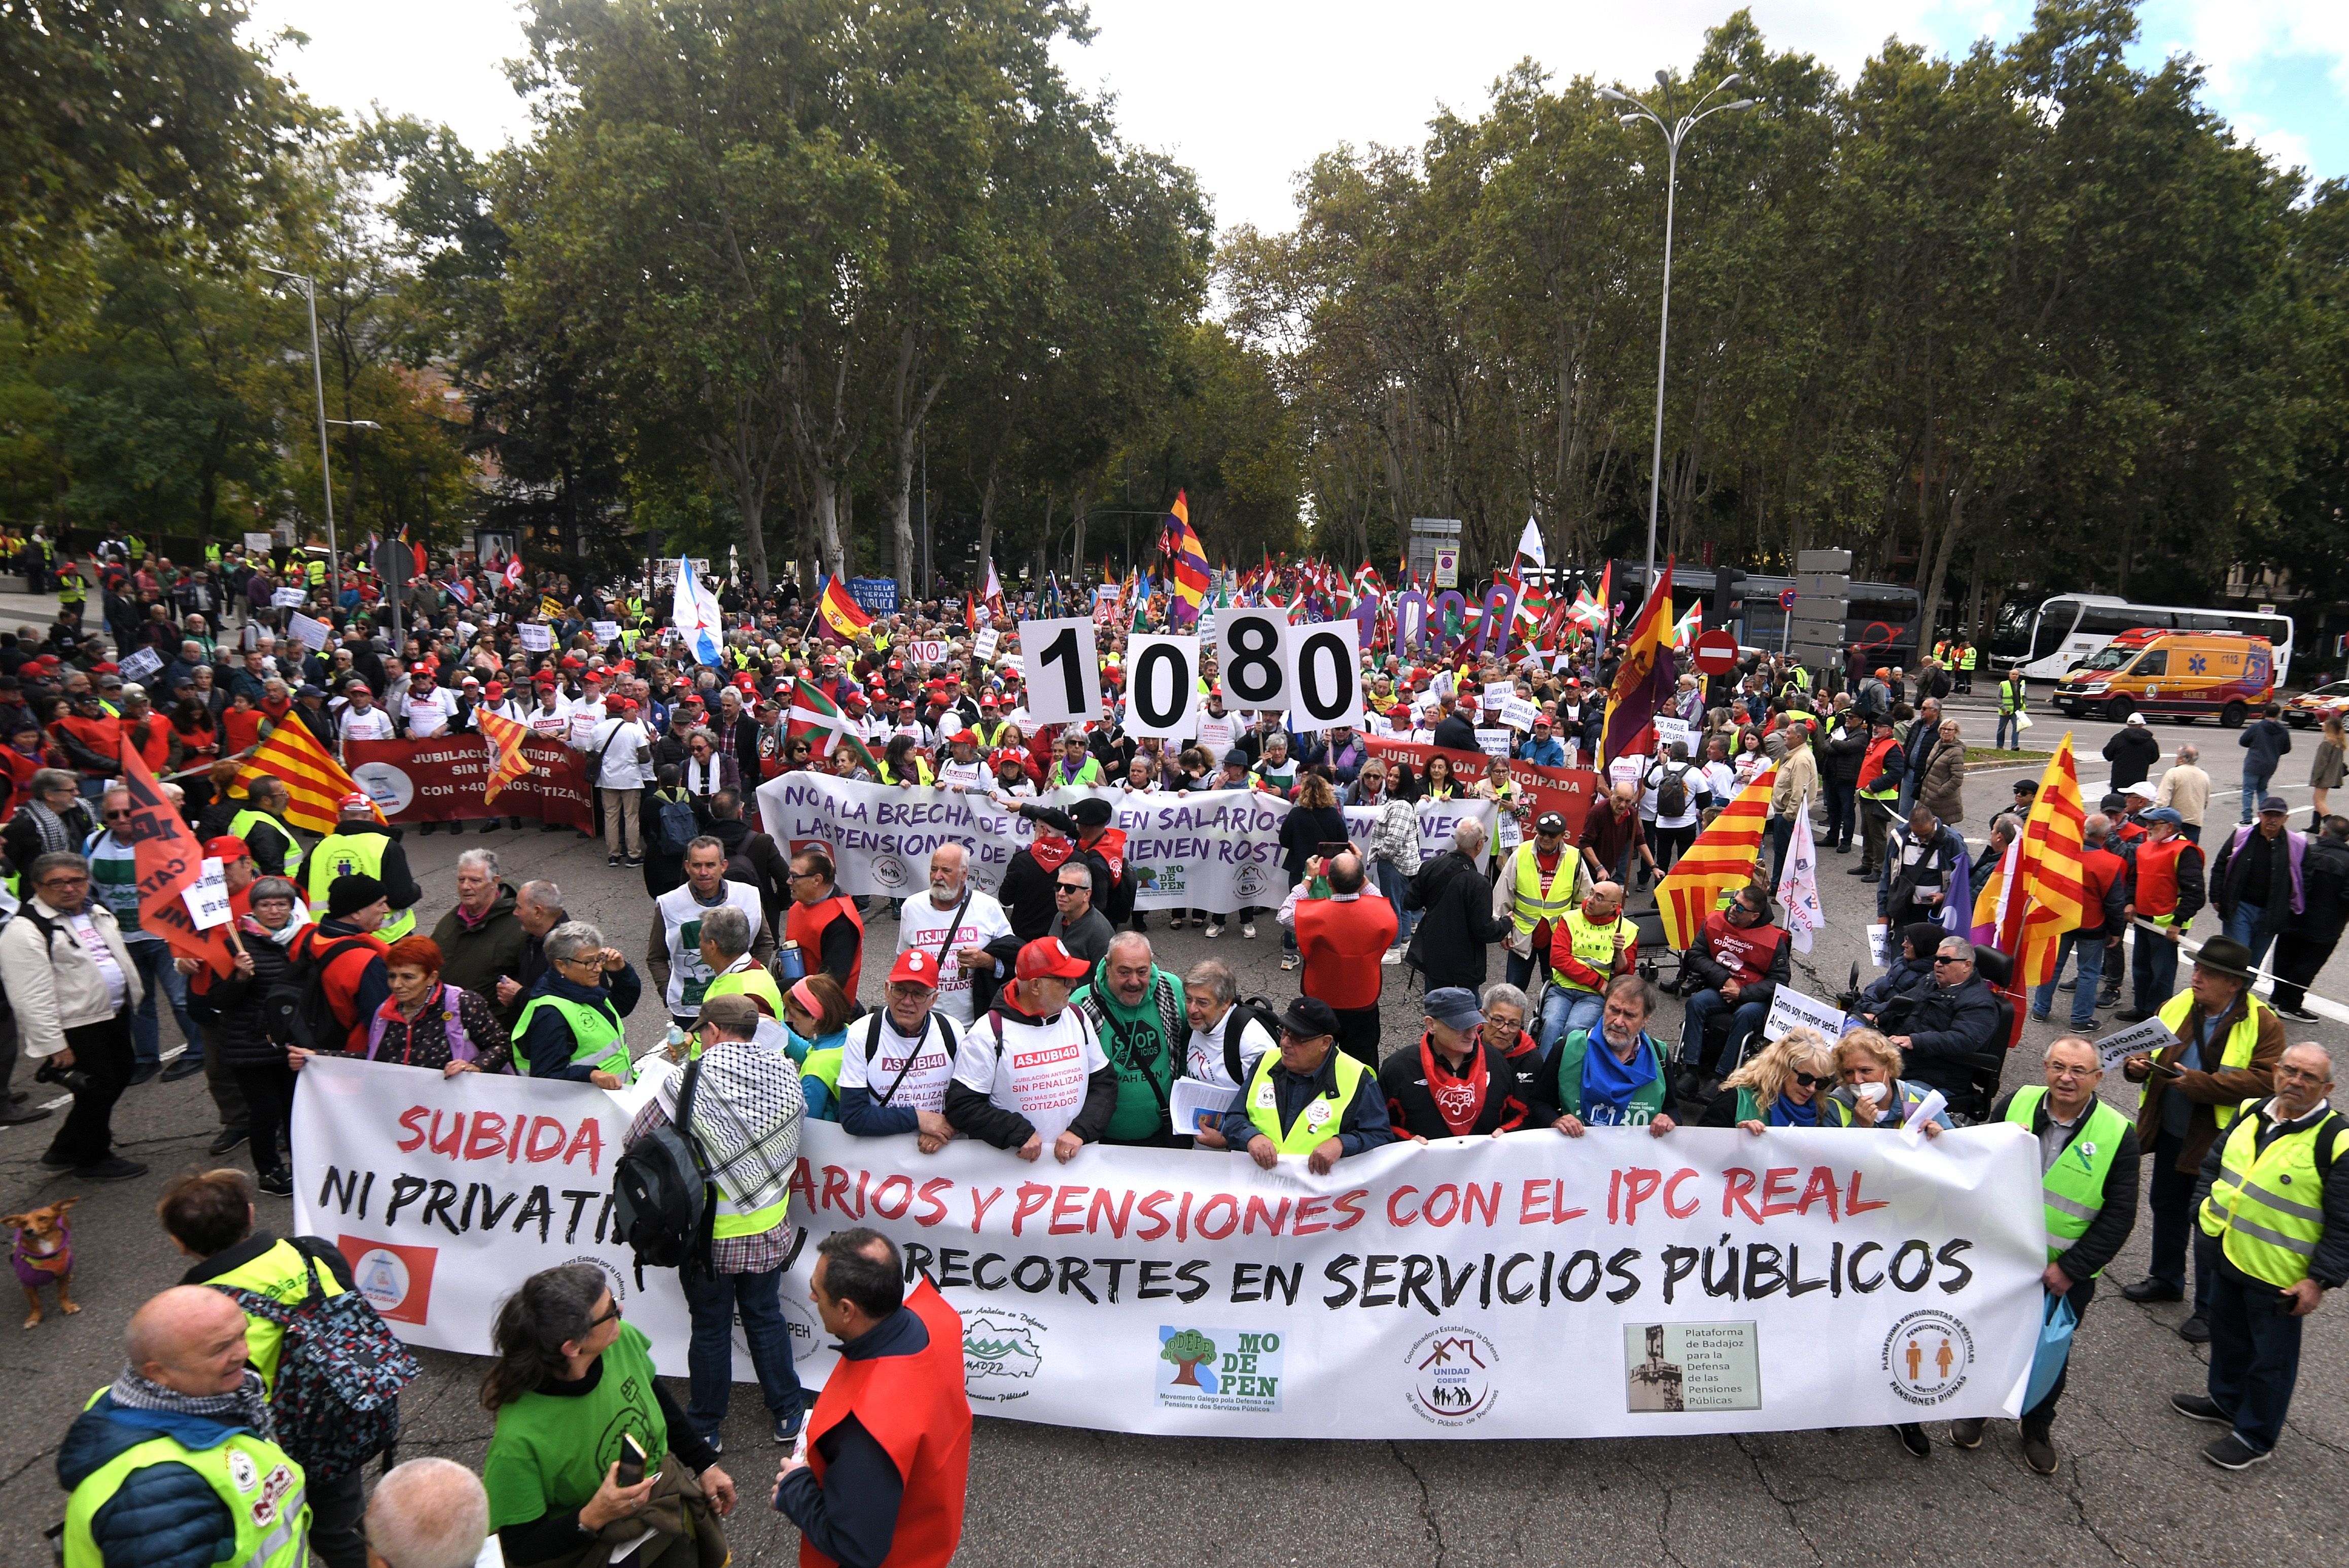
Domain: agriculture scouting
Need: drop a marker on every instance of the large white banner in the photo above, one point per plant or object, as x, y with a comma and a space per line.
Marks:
1215, 849
1529, 1286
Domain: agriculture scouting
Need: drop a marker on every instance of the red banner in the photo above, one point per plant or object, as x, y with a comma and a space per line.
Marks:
446, 779
1565, 791
170, 861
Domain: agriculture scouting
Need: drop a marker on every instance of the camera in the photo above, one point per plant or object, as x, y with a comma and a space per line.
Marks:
74, 1079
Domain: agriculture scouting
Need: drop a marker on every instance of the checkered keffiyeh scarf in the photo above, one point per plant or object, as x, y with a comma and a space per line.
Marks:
247, 1404
746, 1118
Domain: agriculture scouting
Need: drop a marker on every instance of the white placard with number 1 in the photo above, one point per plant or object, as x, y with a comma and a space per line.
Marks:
1063, 671
1162, 687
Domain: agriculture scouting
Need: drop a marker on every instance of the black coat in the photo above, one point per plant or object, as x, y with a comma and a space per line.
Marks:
1944, 1027
237, 1034
1456, 924
2230, 873
1455, 733
2132, 752
2324, 891
1303, 831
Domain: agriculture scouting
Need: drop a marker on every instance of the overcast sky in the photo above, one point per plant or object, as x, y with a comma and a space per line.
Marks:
1248, 92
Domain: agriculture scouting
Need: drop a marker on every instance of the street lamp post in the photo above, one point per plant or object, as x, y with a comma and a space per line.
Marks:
1675, 134
318, 380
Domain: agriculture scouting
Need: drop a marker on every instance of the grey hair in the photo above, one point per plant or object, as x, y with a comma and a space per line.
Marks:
572, 939
2313, 1045
729, 929
706, 841
272, 887
429, 1513
1502, 992
44, 864
1469, 836
1128, 939
481, 860
47, 779
2190, 752
1966, 948
1216, 978
2089, 1045
543, 893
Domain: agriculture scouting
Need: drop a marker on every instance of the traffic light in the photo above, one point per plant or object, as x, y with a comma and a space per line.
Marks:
1728, 597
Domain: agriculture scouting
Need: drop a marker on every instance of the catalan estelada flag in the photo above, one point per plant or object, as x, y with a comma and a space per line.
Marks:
839, 612
1646, 679
315, 782
1721, 859
506, 762
1190, 565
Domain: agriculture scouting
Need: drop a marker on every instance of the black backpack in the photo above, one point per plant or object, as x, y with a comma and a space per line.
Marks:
1672, 794
296, 1011
667, 1203
674, 827
1246, 1008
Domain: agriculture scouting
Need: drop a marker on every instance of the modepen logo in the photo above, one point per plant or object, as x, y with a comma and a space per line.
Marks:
1203, 1368
396, 1280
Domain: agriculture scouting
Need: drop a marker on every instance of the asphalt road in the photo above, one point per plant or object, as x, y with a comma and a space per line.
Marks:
2132, 1486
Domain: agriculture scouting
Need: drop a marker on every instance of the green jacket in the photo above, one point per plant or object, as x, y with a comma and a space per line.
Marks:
1145, 1043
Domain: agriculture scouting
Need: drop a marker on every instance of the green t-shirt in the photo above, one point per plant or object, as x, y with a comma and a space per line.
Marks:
550, 1451
1138, 1045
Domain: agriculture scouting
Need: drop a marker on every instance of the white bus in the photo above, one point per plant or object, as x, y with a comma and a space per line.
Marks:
2066, 631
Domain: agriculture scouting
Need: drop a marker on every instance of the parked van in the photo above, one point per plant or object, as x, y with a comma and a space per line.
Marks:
2177, 674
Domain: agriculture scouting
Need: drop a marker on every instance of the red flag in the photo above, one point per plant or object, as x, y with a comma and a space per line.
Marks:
170, 862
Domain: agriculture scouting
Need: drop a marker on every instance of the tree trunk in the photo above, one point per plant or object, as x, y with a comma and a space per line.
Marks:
823, 504
909, 434
987, 521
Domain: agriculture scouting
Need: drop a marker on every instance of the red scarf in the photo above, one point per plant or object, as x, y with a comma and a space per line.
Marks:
1110, 846
1052, 853
1457, 1099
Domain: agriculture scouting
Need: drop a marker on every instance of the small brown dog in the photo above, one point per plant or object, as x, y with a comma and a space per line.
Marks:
44, 1255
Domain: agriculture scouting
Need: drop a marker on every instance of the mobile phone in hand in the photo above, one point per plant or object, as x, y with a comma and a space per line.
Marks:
631, 1460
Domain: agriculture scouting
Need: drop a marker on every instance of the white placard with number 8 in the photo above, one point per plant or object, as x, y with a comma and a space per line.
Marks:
1162, 687
1251, 662
1063, 671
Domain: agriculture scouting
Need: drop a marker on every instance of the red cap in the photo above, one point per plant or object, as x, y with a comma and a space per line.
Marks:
226, 848
916, 966
355, 801
628, 705
962, 738
493, 692
1048, 957
104, 670
990, 700
543, 678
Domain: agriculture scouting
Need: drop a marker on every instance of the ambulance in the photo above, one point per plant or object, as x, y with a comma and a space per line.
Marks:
2180, 675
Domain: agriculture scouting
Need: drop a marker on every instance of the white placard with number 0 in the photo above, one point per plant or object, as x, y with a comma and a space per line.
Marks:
1250, 662
1325, 676
1162, 687
1063, 671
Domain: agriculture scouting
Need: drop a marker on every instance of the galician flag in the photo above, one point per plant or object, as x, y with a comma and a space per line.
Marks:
1530, 544
694, 612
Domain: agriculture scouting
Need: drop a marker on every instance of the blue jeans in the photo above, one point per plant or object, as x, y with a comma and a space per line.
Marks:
2009, 735
2083, 994
2255, 1357
1392, 881
153, 961
709, 1358
1525, 972
2244, 925
1745, 1017
2178, 1245
2255, 785
2157, 970
1565, 1010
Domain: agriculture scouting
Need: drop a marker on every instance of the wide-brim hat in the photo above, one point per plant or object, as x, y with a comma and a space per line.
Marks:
2226, 956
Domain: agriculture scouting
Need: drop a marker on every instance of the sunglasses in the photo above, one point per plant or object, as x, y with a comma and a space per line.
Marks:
1073, 887
1808, 1082
120, 815
600, 1319
1948, 958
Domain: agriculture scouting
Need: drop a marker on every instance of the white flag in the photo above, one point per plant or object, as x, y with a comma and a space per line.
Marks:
1530, 545
1799, 882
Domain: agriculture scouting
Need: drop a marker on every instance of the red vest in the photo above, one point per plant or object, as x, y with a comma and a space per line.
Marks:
343, 975
2157, 875
1748, 951
2099, 870
1872, 764
914, 1408
1342, 944
103, 736
806, 925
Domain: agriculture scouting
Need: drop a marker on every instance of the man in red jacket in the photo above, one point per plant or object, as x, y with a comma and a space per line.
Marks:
1343, 938
880, 1474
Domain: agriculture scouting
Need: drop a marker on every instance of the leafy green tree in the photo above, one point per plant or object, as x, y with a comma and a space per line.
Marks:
1186, 1349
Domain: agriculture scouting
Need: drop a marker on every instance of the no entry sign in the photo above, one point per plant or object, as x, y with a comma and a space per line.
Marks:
1715, 652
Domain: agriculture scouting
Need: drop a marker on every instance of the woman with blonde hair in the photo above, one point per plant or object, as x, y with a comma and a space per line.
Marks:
1871, 1089
1789, 1083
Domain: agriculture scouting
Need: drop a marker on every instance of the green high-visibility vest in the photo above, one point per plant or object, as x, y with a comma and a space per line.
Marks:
212, 555
752, 980
243, 820
2267, 1205
258, 1482
1966, 660
341, 854
2242, 1039
2074, 1188
596, 1036
1318, 1122
283, 1274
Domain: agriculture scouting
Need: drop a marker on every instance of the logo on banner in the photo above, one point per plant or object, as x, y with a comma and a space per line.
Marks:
1247, 883
1454, 1376
1929, 1355
1219, 1369
1001, 1352
388, 786
890, 872
396, 1280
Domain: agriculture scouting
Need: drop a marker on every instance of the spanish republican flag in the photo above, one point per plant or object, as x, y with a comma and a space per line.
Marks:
316, 782
506, 761
1721, 859
1646, 679
839, 612
1190, 565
